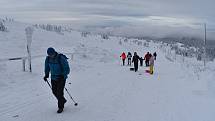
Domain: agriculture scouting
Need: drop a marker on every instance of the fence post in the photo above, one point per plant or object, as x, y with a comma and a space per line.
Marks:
29, 31
23, 63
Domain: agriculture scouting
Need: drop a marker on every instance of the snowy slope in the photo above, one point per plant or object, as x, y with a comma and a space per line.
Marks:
105, 90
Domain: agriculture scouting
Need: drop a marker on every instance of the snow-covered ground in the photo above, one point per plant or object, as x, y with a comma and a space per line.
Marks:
105, 90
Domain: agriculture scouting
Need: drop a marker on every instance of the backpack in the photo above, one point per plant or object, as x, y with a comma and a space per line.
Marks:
59, 60
129, 55
62, 55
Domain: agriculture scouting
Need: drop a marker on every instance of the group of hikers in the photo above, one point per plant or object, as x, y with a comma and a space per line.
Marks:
149, 60
58, 66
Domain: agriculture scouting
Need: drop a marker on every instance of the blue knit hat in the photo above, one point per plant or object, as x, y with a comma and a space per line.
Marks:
51, 51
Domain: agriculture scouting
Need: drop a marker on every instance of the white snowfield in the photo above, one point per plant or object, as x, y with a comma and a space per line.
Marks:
104, 89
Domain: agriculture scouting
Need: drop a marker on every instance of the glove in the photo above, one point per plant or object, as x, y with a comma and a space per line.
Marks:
45, 78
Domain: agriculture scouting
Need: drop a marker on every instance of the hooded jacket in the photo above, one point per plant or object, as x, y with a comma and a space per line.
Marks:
58, 66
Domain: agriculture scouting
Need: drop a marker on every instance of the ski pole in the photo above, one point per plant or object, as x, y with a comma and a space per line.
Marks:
49, 84
76, 104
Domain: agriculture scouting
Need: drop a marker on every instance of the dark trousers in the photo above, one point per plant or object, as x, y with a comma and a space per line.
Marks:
147, 63
123, 62
57, 90
135, 67
129, 61
141, 62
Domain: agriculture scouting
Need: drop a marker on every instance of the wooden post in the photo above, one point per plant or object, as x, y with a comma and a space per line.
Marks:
205, 47
29, 32
23, 63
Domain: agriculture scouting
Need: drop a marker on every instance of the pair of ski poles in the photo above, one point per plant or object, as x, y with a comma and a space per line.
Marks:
75, 103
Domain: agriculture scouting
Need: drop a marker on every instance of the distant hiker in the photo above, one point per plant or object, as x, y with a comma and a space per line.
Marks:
141, 61
129, 56
146, 58
123, 56
155, 55
151, 61
135, 60
58, 65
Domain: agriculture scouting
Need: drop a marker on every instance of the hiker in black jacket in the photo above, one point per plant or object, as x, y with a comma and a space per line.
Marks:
129, 56
141, 61
155, 55
135, 60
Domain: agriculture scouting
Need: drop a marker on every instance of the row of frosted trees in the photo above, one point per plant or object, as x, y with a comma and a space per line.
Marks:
49, 27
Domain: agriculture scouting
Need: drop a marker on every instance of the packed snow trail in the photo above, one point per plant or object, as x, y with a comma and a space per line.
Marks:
108, 91
104, 89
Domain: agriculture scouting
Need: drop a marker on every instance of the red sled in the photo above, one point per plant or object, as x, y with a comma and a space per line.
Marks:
147, 71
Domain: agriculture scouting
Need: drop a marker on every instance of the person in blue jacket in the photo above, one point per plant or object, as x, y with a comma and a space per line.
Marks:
58, 66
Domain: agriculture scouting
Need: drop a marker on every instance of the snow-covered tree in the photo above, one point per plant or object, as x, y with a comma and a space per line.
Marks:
84, 34
126, 40
120, 42
2, 26
104, 36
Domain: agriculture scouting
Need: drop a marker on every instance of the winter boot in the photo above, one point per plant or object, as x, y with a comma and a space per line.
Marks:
60, 110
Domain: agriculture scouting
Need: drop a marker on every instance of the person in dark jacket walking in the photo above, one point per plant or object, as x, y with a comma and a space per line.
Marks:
58, 65
141, 61
155, 55
135, 60
129, 56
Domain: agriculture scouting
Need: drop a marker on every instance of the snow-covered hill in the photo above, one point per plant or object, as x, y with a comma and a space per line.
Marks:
180, 89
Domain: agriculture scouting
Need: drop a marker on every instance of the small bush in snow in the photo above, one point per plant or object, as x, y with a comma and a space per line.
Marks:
104, 36
139, 43
84, 34
120, 42
2, 27
125, 40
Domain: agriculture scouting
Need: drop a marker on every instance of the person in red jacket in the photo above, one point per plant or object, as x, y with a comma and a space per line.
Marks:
123, 56
146, 58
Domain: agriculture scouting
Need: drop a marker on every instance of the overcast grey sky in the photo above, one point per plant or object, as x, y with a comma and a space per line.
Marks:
171, 13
